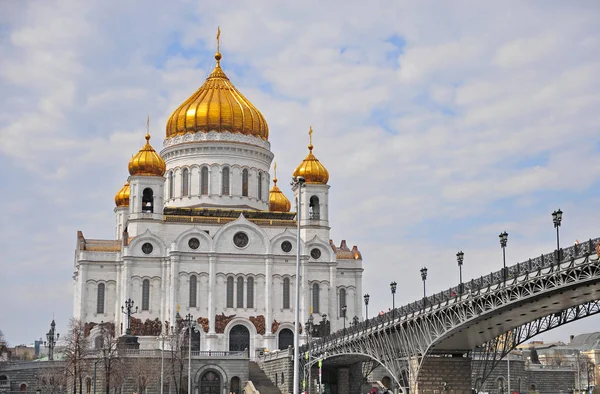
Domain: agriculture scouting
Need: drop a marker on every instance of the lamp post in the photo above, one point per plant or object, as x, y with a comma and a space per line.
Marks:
393, 289
460, 258
51, 338
344, 309
503, 241
297, 181
366, 297
424, 278
557, 219
189, 318
309, 330
162, 362
127, 309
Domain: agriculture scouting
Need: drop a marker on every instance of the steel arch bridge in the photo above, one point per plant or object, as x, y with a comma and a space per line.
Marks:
486, 317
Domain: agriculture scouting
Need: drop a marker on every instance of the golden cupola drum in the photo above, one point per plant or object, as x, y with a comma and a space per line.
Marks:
278, 202
217, 106
147, 162
122, 196
311, 168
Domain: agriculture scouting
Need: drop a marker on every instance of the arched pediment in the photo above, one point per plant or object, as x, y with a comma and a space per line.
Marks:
327, 254
290, 236
257, 238
182, 242
159, 248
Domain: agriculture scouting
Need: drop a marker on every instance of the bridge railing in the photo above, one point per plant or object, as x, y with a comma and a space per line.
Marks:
473, 286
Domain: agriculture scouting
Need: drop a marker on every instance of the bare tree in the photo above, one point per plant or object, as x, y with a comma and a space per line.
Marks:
558, 358
52, 379
76, 350
144, 371
108, 352
177, 361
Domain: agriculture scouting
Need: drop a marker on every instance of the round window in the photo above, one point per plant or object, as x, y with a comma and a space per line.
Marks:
194, 243
147, 248
315, 253
240, 239
286, 246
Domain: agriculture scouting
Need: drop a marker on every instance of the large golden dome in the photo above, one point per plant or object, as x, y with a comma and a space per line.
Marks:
278, 202
217, 106
311, 168
122, 196
147, 161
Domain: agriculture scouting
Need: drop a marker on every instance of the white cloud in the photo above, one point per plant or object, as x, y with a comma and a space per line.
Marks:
482, 120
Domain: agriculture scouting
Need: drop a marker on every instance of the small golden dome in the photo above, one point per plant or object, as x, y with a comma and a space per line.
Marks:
122, 196
311, 168
217, 106
147, 161
278, 202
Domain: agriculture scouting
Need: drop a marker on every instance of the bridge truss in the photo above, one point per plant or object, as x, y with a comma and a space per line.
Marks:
399, 340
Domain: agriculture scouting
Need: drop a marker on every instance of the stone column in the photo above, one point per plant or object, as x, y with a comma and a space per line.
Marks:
268, 293
174, 290
211, 290
334, 316
441, 374
304, 290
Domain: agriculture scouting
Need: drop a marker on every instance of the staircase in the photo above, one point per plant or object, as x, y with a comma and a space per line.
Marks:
260, 381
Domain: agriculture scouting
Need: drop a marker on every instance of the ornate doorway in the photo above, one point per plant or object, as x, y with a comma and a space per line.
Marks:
286, 338
210, 383
239, 338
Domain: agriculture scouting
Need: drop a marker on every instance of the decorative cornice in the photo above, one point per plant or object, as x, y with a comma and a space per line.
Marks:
214, 136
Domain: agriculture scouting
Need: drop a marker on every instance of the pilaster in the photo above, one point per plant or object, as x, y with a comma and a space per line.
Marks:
211, 290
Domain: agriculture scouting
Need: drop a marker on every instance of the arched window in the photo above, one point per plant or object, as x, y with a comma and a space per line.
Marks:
146, 295
230, 292
147, 200
234, 387
260, 181
240, 293
286, 293
171, 185
250, 295
98, 342
313, 208
23, 388
193, 283
204, 181
100, 299
315, 303
225, 182
342, 301
245, 183
185, 182
88, 385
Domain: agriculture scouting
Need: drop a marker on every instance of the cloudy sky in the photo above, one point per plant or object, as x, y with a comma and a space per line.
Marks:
441, 124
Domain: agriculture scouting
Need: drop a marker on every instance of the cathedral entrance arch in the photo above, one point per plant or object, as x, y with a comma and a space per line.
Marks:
210, 383
239, 338
286, 338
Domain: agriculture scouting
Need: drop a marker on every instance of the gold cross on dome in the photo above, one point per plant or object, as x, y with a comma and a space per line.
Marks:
310, 131
275, 169
218, 38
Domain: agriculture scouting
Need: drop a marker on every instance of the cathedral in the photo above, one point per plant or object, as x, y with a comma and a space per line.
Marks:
198, 233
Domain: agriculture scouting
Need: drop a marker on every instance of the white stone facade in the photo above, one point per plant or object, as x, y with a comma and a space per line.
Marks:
158, 255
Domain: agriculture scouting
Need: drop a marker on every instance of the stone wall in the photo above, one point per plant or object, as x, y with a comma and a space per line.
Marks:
43, 376
545, 379
444, 374
279, 368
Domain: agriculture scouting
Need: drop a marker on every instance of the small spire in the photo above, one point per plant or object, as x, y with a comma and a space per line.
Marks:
218, 54
310, 145
275, 171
